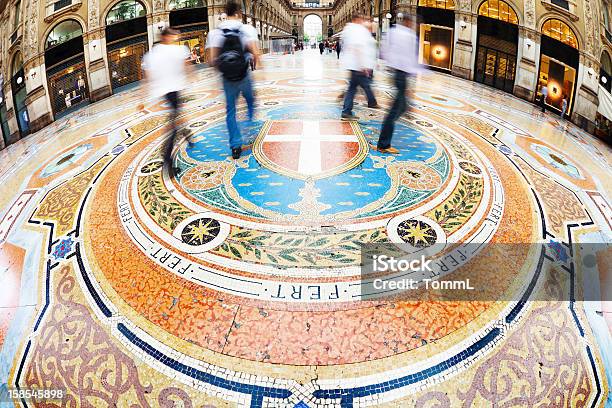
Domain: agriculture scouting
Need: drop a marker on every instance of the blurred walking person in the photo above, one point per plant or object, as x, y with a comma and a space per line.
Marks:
229, 46
166, 68
544, 91
399, 51
356, 43
338, 48
321, 48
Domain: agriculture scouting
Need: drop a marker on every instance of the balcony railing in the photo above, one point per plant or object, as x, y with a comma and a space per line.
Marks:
312, 5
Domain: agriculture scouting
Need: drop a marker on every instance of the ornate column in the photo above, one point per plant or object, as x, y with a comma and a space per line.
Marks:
94, 44
97, 64
37, 99
465, 33
586, 103
216, 9
10, 110
526, 80
528, 55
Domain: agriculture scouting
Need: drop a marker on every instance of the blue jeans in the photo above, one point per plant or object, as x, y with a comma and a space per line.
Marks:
232, 90
362, 80
172, 98
397, 109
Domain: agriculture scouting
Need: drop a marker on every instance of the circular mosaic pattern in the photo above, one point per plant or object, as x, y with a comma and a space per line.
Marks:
66, 160
287, 233
557, 160
439, 100
201, 231
417, 233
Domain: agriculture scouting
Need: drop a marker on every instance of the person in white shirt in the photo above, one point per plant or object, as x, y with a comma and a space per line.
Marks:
399, 51
166, 68
357, 58
231, 47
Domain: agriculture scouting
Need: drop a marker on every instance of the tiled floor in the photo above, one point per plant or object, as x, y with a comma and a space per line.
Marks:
236, 283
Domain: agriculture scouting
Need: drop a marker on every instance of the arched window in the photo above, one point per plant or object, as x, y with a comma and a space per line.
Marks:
64, 31
499, 10
443, 4
17, 64
185, 4
560, 31
125, 10
605, 72
606, 62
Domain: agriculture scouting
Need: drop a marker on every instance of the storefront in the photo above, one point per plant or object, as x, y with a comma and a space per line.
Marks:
65, 64
436, 20
18, 87
126, 42
497, 43
190, 18
559, 62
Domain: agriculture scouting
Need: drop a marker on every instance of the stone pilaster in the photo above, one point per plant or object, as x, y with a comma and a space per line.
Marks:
465, 45
10, 113
37, 98
97, 67
586, 102
526, 79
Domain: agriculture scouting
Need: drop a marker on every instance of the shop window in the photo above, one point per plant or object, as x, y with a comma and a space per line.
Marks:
125, 10
560, 31
185, 4
435, 48
560, 80
499, 10
64, 31
443, 4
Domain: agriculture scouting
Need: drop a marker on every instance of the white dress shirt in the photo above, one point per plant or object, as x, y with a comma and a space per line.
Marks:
400, 49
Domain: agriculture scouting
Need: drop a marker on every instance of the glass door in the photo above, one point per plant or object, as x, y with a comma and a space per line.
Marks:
490, 65
495, 68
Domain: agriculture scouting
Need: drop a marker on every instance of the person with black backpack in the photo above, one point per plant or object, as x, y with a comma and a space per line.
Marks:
229, 47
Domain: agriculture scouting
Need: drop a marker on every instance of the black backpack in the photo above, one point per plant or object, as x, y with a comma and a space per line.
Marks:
232, 60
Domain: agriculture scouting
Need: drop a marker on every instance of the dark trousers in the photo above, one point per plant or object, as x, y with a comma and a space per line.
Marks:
543, 103
172, 98
397, 109
358, 79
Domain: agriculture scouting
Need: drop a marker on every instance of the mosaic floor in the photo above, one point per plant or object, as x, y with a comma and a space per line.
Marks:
233, 283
